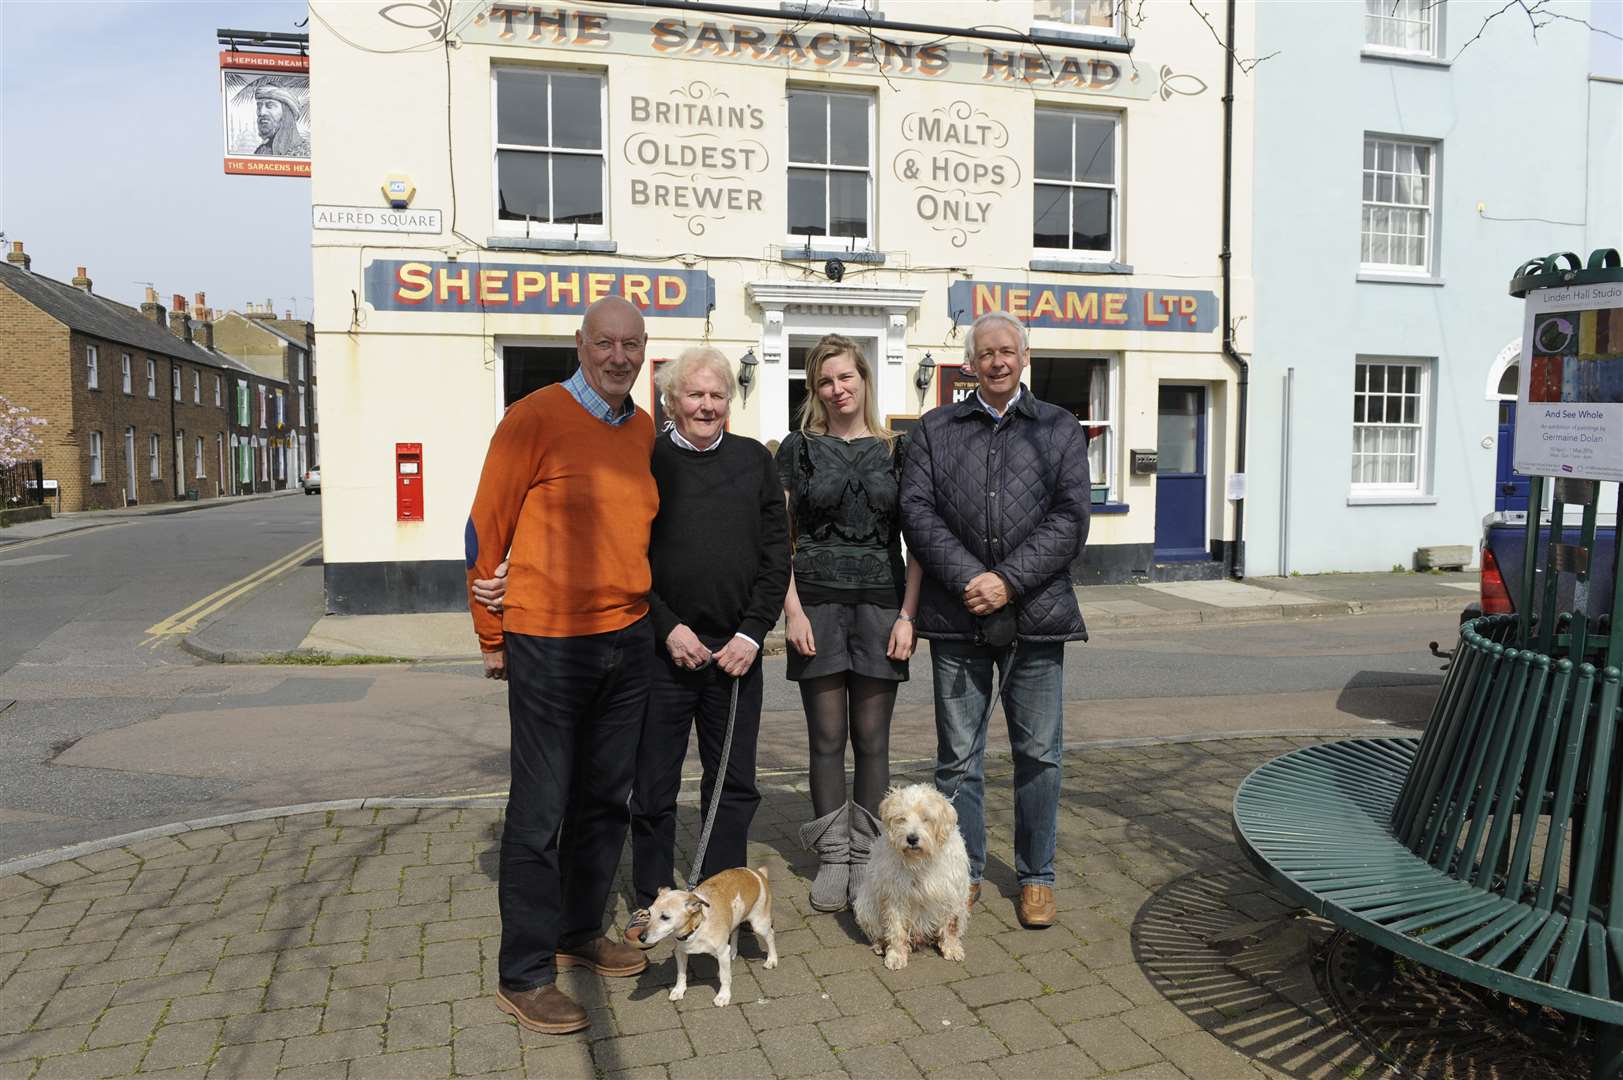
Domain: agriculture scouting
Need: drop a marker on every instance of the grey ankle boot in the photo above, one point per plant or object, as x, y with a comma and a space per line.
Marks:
830, 837
864, 831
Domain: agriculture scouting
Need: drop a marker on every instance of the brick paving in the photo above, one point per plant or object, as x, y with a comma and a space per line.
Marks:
361, 943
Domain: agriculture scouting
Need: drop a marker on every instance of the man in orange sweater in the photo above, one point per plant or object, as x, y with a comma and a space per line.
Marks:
567, 497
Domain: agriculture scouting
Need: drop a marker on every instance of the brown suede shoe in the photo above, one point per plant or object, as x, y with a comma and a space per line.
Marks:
546, 1009
612, 958
1036, 908
974, 895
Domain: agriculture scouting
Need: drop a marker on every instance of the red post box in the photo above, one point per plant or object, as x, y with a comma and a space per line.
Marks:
408, 481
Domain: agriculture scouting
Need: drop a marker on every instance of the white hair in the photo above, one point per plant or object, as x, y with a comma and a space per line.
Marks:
668, 380
993, 316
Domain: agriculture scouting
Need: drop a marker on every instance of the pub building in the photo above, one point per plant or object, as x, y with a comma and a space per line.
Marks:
753, 181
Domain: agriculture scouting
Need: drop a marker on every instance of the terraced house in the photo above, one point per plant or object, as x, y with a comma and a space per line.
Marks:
135, 407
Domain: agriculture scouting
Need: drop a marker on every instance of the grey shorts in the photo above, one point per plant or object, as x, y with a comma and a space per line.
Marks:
849, 637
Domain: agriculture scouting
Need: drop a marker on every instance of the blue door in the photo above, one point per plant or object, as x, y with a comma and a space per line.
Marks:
1180, 484
1510, 486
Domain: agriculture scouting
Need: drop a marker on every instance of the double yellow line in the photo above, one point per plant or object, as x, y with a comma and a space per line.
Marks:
186, 620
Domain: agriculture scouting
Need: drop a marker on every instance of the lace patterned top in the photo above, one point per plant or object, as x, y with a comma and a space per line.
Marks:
844, 504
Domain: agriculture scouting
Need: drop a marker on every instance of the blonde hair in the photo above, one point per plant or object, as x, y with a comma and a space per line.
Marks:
813, 413
669, 378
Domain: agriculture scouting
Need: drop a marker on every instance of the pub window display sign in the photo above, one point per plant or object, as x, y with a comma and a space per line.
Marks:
265, 99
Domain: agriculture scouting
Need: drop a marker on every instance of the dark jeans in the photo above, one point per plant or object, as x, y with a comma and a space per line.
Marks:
678, 698
576, 707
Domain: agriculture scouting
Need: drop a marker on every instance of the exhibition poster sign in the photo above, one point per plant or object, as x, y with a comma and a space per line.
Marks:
1569, 403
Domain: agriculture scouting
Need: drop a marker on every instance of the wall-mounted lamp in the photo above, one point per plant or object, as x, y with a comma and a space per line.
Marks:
925, 373
746, 373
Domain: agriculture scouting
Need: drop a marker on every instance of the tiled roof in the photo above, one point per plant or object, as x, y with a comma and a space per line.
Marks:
99, 316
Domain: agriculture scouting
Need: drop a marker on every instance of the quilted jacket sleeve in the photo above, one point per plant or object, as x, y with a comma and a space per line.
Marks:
1050, 549
929, 539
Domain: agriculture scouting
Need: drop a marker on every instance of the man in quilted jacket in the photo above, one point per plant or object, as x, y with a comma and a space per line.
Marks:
995, 505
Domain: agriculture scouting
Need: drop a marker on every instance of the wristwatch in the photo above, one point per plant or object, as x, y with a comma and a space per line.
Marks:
903, 616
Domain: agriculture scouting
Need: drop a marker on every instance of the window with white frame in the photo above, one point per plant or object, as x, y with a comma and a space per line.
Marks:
174, 381
218, 400
154, 457
92, 367
551, 175
301, 367
261, 406
1077, 205
1085, 387
1097, 15
197, 460
1400, 186
830, 171
1407, 27
95, 457
1391, 411
197, 388
124, 364
152, 378
301, 407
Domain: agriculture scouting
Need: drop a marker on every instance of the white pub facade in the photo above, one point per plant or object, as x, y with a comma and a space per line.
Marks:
754, 176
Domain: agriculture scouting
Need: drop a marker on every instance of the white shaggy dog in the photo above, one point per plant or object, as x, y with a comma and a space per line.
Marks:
916, 891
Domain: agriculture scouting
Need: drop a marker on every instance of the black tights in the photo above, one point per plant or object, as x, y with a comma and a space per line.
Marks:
854, 704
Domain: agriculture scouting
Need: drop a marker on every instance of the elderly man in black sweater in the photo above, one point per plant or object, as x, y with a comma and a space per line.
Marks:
720, 558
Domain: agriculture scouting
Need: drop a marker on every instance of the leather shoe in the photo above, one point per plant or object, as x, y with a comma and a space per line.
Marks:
1036, 908
612, 958
974, 895
546, 1009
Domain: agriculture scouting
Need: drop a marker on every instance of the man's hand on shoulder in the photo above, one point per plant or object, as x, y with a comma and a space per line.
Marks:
985, 593
490, 591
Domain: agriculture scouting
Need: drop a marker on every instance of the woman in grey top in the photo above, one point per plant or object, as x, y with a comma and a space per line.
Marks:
849, 610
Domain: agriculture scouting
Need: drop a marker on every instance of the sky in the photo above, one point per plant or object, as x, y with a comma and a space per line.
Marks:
110, 154
110, 150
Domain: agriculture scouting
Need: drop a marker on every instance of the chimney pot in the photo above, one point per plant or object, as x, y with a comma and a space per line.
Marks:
17, 256
197, 301
150, 308
177, 302
180, 324
81, 280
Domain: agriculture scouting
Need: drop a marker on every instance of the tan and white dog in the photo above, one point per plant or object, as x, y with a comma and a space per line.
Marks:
916, 891
707, 920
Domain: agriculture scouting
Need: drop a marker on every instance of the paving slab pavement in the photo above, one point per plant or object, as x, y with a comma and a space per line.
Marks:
263, 626
78, 521
358, 940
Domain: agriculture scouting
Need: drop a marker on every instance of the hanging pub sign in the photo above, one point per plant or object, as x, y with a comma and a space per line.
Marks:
1569, 396
1086, 307
265, 98
531, 289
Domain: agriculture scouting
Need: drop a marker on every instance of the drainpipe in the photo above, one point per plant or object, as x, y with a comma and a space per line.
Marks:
1237, 547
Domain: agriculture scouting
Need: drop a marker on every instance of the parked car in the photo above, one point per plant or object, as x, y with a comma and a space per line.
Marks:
312, 482
1504, 546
